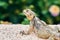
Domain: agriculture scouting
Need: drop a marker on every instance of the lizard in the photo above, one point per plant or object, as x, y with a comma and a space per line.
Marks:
39, 27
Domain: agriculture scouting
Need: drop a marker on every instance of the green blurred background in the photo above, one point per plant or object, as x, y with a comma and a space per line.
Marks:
11, 11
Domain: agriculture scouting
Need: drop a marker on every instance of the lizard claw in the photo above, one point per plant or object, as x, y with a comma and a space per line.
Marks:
22, 33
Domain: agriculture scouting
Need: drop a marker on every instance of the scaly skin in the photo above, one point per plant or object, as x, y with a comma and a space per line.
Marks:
40, 28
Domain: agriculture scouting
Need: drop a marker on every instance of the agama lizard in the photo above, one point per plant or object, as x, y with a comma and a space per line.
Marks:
39, 27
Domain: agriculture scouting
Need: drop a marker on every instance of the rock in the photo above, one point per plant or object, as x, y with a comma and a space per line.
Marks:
12, 32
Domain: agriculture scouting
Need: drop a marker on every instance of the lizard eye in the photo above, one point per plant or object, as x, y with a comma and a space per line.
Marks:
27, 10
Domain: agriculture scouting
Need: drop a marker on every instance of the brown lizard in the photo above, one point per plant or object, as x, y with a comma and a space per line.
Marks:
39, 27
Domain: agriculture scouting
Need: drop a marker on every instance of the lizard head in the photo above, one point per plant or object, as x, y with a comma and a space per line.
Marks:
29, 14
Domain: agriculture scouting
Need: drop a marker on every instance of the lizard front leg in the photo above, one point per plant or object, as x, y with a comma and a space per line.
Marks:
30, 30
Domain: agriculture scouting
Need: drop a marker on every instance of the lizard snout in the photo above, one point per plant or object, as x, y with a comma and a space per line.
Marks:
26, 11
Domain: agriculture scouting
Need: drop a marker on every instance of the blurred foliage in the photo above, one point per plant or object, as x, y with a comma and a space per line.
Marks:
11, 10
26, 21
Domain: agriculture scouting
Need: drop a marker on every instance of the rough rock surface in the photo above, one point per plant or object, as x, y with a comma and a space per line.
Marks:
12, 32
